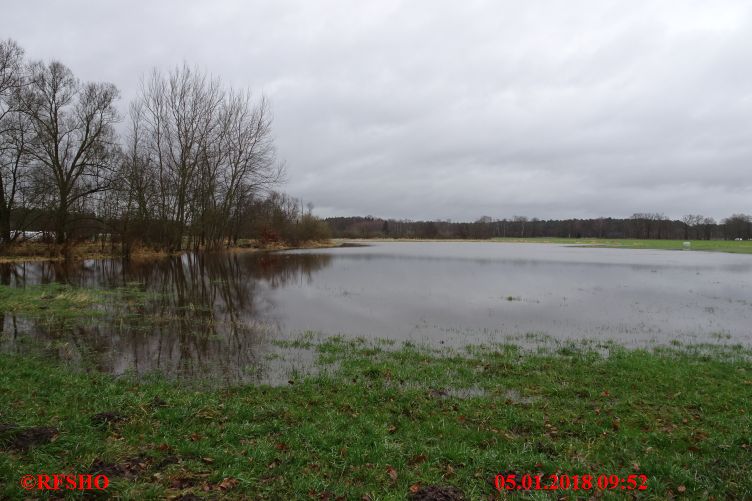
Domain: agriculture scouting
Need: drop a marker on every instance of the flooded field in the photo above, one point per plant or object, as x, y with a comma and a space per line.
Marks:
232, 315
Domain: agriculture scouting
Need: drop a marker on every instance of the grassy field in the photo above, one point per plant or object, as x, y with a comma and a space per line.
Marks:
741, 247
385, 422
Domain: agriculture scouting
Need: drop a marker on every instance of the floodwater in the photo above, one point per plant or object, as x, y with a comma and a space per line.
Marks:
223, 315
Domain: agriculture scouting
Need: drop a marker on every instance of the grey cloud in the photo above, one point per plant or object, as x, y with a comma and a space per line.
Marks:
453, 110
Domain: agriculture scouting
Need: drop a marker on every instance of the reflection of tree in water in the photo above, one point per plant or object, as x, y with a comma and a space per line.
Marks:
281, 269
8, 322
206, 315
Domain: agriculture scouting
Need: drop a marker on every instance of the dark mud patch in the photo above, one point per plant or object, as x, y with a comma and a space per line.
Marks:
437, 493
105, 418
15, 437
187, 497
167, 461
185, 482
157, 403
129, 468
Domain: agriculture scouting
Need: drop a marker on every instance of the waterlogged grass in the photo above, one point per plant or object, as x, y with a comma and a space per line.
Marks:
382, 420
56, 304
736, 247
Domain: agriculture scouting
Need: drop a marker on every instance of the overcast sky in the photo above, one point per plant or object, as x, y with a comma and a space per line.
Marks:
455, 109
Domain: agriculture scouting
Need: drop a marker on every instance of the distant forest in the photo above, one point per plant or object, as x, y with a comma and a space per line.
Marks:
641, 226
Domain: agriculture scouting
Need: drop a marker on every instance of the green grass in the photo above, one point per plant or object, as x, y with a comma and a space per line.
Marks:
382, 418
50, 299
62, 305
741, 247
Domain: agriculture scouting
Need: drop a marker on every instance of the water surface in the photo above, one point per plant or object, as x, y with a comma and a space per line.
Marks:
222, 315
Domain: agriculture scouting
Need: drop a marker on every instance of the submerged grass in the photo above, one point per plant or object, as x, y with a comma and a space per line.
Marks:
51, 301
56, 303
384, 419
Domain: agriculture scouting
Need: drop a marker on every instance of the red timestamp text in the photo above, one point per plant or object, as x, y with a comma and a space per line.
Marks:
564, 482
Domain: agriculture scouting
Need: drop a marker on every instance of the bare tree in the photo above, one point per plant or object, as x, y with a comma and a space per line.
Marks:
692, 222
197, 157
708, 224
14, 137
137, 186
250, 165
74, 138
179, 119
16, 195
738, 226
520, 220
11, 74
207, 151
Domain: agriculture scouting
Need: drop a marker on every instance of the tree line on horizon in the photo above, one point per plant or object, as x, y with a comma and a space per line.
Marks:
194, 167
638, 226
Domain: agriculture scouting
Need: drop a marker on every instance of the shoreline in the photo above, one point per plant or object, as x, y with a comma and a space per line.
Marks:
32, 252
43, 252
